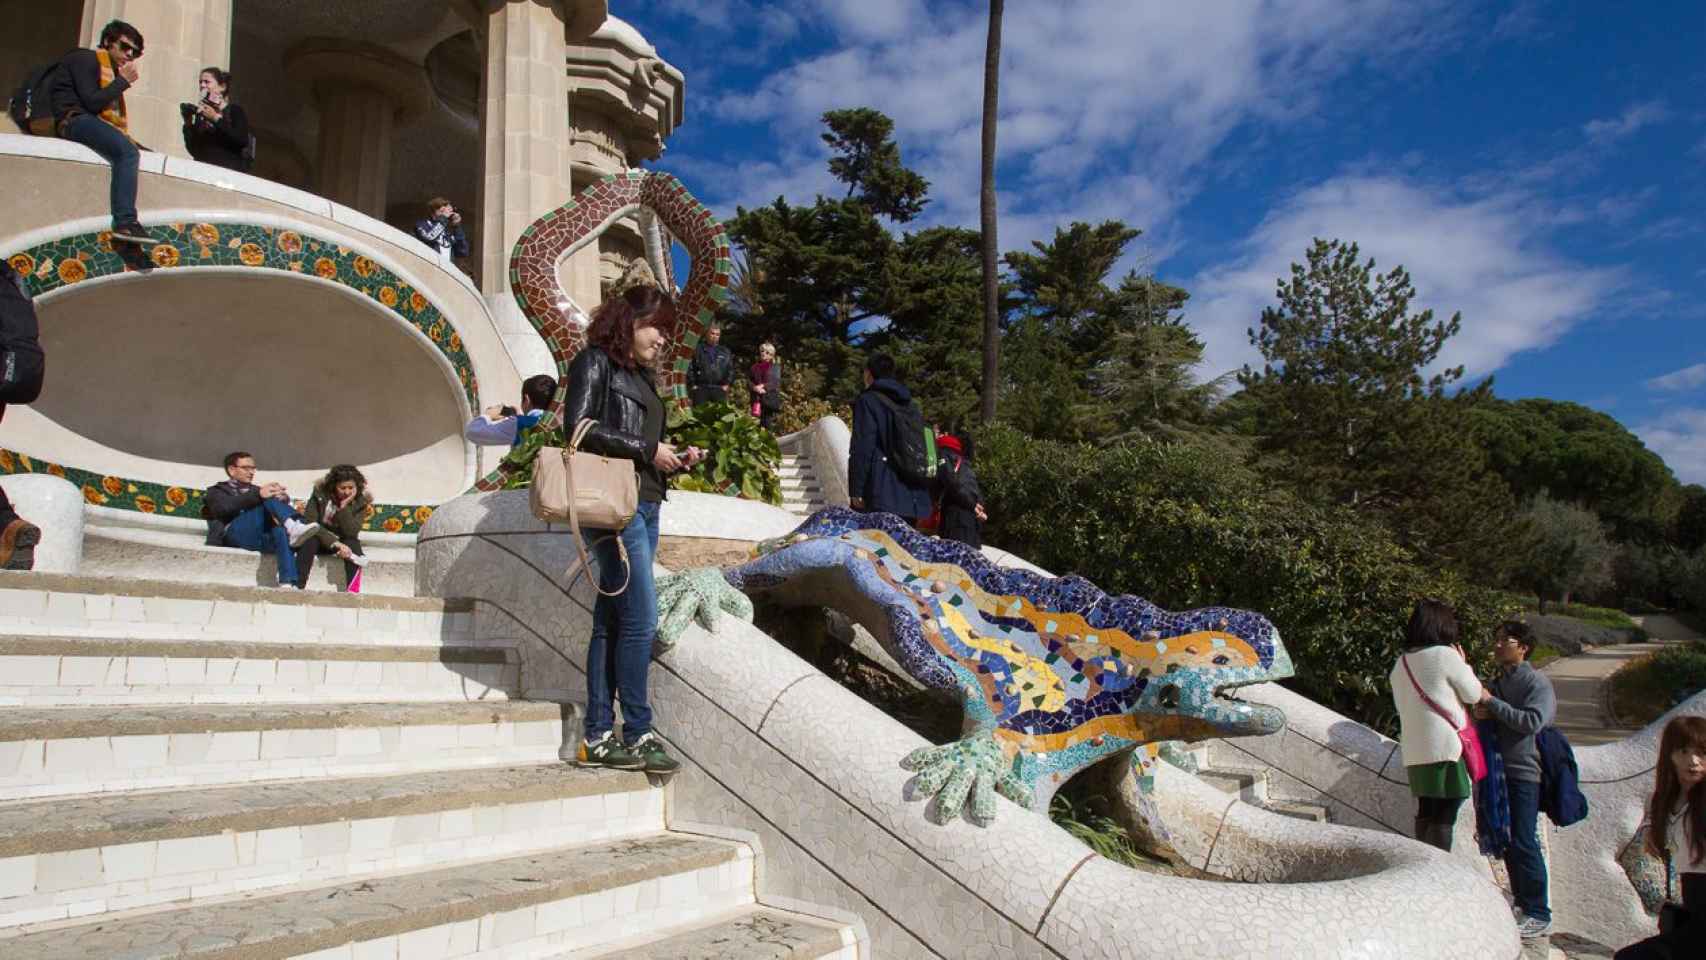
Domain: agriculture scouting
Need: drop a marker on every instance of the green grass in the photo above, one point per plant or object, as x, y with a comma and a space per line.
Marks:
1542, 654
1598, 616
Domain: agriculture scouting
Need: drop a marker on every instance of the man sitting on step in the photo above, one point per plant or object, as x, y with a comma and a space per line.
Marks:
241, 514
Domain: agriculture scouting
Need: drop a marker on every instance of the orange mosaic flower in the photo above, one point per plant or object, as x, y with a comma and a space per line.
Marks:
325, 269
205, 234
7, 464
55, 470
112, 485
251, 254
290, 242
422, 514
367, 514
456, 341
177, 496
145, 503
71, 271
296, 266
388, 296
364, 267
393, 525
436, 332
23, 263
417, 303
164, 255
104, 241
92, 495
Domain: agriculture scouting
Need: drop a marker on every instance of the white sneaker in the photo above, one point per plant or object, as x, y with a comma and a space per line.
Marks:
299, 532
1533, 928
357, 559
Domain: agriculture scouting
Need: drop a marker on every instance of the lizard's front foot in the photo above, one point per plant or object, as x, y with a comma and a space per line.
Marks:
700, 595
974, 766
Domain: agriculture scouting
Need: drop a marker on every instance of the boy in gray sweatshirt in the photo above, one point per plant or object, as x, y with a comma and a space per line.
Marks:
1522, 703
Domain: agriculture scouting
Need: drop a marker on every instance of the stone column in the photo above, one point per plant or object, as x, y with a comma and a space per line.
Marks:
364, 93
180, 37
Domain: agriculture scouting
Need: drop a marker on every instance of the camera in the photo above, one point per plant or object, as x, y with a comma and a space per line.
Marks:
189, 109
507, 410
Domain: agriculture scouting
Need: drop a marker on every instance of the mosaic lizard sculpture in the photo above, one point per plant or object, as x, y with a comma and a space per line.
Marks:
1054, 674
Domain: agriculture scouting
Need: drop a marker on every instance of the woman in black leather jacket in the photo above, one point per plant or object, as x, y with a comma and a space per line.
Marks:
610, 382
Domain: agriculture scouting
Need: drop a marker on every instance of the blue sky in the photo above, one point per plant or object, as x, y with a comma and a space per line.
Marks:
1536, 166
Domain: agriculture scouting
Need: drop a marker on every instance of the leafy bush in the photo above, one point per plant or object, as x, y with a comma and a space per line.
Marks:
802, 405
1598, 616
1186, 526
1645, 688
742, 455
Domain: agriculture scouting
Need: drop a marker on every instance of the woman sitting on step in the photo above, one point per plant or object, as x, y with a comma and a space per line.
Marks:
339, 504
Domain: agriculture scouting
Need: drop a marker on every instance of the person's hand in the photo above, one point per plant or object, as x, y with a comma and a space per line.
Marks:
343, 552
666, 459
857, 503
982, 514
129, 71
695, 456
271, 490
1481, 711
209, 112
455, 217
495, 412
1460, 654
1486, 695
758, 388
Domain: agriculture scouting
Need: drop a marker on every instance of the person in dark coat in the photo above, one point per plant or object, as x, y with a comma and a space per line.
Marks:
216, 130
767, 386
443, 231
872, 484
957, 491
23, 366
712, 369
249, 516
339, 504
86, 95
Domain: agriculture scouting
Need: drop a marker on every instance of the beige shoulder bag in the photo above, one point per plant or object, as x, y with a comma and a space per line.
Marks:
585, 490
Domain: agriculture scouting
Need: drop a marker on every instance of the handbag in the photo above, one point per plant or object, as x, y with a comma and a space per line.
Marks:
585, 490
1473, 758
1673, 916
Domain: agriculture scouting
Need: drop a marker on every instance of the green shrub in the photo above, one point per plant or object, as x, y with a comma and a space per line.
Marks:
742, 459
1598, 616
1184, 525
1643, 689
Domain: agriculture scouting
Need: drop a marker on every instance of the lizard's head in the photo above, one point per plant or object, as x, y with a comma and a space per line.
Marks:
1189, 683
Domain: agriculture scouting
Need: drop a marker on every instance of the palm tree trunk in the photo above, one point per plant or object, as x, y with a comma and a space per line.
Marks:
991, 276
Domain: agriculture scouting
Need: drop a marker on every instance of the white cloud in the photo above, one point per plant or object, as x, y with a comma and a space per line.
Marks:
1685, 379
1679, 436
1479, 256
1630, 121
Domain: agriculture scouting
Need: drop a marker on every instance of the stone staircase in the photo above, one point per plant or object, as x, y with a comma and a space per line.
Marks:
1256, 786
801, 492
232, 772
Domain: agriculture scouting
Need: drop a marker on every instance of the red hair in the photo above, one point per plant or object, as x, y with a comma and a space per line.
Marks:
616, 319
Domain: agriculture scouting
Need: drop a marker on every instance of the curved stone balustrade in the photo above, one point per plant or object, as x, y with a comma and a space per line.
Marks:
773, 746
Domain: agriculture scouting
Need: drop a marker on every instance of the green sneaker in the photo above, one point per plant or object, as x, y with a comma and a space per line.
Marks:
649, 748
607, 751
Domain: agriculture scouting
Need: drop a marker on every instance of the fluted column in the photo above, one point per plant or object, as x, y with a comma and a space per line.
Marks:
180, 37
364, 93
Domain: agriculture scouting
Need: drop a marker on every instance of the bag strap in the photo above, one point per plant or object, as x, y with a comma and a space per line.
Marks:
1669, 873
1404, 659
584, 562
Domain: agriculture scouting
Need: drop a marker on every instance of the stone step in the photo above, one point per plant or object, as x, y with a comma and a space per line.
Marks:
1251, 786
54, 751
752, 933
797, 484
1299, 809
52, 604
78, 856
80, 671
534, 905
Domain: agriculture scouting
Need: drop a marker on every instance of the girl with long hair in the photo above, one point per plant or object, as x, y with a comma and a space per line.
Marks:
339, 505
611, 383
1676, 833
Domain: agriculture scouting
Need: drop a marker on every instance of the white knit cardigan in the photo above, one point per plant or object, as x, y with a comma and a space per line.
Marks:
1424, 736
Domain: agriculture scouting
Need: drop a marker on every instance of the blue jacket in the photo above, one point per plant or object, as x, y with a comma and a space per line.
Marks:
1492, 797
1560, 793
869, 476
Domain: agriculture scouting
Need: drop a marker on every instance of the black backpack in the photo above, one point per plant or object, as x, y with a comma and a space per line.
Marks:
29, 107
911, 449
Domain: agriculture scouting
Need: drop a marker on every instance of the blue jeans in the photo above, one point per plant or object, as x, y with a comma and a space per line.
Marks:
105, 139
619, 657
262, 528
1527, 865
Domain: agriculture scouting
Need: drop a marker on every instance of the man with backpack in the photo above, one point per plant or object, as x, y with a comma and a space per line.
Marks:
84, 92
892, 459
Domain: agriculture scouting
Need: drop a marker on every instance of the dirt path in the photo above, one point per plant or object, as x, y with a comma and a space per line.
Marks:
1580, 680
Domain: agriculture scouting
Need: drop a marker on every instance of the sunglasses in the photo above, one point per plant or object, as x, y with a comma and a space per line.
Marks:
130, 49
